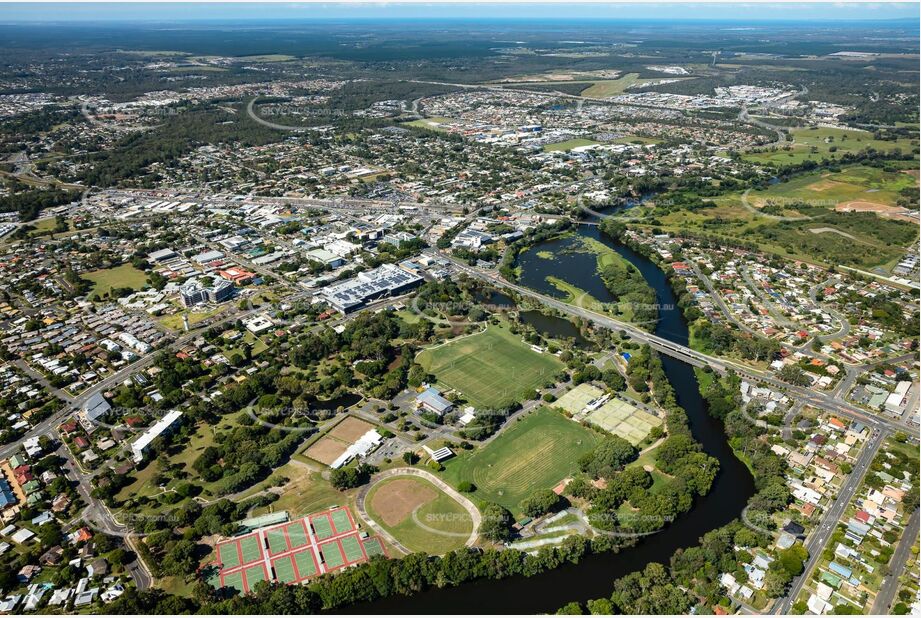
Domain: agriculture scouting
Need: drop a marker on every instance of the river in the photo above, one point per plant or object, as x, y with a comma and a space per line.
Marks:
593, 577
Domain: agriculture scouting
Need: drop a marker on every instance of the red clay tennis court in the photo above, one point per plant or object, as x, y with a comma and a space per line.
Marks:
296, 551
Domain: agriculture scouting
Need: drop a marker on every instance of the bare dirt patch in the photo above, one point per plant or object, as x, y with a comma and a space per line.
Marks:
885, 210
396, 500
326, 450
350, 429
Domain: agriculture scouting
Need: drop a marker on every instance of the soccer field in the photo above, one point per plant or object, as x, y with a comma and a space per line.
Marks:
536, 452
492, 369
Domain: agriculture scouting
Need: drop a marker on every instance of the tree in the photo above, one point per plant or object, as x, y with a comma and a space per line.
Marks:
608, 457
349, 477
570, 609
496, 524
540, 502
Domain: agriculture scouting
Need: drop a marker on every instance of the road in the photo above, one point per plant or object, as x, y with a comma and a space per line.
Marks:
823, 400
101, 519
816, 542
890, 585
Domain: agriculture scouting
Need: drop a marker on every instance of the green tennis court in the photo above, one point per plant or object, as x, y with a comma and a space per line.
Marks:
249, 548
332, 555
373, 547
284, 570
277, 541
228, 555
352, 549
322, 526
306, 564
234, 580
341, 521
254, 575
296, 534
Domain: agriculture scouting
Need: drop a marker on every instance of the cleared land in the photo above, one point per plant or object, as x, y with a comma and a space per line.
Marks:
569, 144
614, 87
492, 369
855, 186
328, 448
827, 143
124, 276
536, 452
350, 429
880, 240
419, 515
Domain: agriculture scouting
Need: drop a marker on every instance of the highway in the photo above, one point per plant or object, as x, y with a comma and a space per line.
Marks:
816, 542
825, 401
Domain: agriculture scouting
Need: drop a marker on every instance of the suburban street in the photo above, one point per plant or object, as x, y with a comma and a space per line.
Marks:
815, 543
885, 597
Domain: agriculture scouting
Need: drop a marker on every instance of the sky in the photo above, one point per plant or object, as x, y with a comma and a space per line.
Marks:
213, 11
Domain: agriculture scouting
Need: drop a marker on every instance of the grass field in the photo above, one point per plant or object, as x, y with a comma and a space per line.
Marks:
267, 58
419, 515
823, 140
855, 183
433, 124
124, 276
536, 452
306, 492
174, 321
612, 87
861, 239
569, 145
492, 369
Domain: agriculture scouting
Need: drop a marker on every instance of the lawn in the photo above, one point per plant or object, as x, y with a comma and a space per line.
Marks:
823, 140
419, 515
492, 369
306, 492
267, 58
855, 183
536, 452
432, 124
174, 321
124, 276
569, 144
612, 87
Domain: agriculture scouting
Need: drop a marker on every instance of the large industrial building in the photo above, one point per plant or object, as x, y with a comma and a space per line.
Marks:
383, 281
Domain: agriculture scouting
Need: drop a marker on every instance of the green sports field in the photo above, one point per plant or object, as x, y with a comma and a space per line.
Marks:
284, 570
277, 542
124, 276
492, 369
332, 555
322, 527
536, 452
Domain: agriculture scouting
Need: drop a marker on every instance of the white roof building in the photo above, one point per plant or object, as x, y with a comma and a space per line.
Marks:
140, 446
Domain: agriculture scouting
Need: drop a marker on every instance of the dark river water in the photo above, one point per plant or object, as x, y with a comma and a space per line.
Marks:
593, 577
